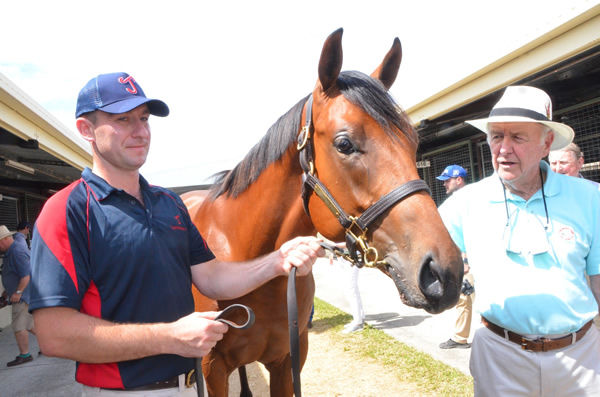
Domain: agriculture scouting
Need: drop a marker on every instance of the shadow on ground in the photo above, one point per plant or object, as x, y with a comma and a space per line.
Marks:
394, 320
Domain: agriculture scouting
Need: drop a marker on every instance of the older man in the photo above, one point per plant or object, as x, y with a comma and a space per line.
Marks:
567, 160
530, 245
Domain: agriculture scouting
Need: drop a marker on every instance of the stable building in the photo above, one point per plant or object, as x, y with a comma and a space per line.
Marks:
38, 157
564, 62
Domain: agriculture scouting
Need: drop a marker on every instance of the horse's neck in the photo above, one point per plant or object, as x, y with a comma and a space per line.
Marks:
266, 215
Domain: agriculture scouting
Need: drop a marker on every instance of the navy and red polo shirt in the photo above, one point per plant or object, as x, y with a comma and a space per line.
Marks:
98, 250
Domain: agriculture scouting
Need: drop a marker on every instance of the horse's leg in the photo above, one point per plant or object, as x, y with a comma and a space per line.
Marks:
280, 377
244, 386
216, 375
281, 371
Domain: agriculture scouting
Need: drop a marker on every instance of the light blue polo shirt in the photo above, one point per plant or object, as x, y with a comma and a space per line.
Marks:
531, 293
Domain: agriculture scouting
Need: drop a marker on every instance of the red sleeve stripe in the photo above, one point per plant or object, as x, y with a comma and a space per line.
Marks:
52, 227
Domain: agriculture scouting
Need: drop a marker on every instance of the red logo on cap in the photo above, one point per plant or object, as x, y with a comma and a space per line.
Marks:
128, 80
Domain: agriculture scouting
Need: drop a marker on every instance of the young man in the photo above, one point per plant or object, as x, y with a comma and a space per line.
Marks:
453, 177
114, 259
22, 235
530, 245
16, 274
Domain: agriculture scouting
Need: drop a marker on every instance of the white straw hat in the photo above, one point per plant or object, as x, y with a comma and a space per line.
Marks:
523, 104
4, 232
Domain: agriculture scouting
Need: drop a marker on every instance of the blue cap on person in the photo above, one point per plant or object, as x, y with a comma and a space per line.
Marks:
452, 171
116, 93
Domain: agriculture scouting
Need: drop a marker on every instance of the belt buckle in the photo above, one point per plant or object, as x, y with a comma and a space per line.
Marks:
189, 382
524, 343
532, 344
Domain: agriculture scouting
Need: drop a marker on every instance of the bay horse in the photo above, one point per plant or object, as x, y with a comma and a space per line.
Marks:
361, 147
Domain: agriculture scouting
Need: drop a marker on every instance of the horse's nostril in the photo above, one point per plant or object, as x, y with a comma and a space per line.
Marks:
429, 280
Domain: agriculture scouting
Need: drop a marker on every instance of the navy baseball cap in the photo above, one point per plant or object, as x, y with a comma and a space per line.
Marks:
23, 224
452, 171
116, 93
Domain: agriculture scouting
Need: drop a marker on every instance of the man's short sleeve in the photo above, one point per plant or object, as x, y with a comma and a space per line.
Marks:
593, 258
59, 251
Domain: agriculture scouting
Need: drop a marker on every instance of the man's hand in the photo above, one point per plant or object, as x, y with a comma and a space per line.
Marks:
15, 298
300, 252
196, 334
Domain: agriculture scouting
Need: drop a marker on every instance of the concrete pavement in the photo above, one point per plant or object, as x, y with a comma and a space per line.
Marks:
51, 377
44, 376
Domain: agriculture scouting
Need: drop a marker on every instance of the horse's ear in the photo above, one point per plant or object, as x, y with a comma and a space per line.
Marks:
388, 70
330, 63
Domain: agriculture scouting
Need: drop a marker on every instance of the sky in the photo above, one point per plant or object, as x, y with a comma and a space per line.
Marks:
229, 69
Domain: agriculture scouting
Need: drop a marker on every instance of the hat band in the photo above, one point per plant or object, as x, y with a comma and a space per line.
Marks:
518, 112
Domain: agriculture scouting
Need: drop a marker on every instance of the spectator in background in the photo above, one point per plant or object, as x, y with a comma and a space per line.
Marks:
23, 229
16, 274
567, 161
453, 177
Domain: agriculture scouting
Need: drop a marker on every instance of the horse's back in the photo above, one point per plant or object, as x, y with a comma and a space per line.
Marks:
193, 201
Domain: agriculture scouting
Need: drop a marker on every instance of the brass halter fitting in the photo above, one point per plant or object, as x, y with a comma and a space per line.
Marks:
356, 235
370, 254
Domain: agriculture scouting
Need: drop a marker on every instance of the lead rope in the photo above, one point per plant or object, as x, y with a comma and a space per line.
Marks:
292, 307
249, 322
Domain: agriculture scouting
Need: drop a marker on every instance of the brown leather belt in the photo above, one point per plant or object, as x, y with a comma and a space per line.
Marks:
190, 379
537, 345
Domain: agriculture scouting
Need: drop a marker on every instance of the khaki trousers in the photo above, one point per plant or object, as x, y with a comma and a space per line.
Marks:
464, 308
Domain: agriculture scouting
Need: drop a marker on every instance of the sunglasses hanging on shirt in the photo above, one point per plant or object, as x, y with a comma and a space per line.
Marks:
525, 233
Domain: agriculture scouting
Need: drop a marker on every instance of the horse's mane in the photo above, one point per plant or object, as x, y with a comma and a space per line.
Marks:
358, 88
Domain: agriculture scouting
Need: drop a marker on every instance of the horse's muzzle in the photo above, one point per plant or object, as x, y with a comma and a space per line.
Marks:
439, 286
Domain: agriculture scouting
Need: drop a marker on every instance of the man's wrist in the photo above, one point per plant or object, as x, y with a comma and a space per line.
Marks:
19, 292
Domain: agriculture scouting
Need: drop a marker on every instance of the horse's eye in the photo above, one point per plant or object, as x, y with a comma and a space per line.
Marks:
344, 145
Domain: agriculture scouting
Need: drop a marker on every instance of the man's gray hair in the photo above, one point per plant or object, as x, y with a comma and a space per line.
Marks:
573, 148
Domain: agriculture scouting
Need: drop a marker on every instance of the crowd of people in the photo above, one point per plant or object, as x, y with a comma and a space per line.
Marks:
529, 234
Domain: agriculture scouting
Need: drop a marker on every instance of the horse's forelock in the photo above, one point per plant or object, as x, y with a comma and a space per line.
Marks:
370, 95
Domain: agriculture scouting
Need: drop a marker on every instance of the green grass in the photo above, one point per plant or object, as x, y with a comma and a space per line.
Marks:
406, 363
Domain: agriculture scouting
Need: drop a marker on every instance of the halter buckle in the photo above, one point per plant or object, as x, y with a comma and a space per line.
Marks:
357, 236
304, 133
370, 255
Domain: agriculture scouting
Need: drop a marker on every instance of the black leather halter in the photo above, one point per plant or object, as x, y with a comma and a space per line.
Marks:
359, 251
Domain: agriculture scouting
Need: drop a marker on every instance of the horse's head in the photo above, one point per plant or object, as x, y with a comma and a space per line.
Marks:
364, 147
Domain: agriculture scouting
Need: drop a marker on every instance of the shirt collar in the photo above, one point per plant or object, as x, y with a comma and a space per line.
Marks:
103, 189
551, 186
